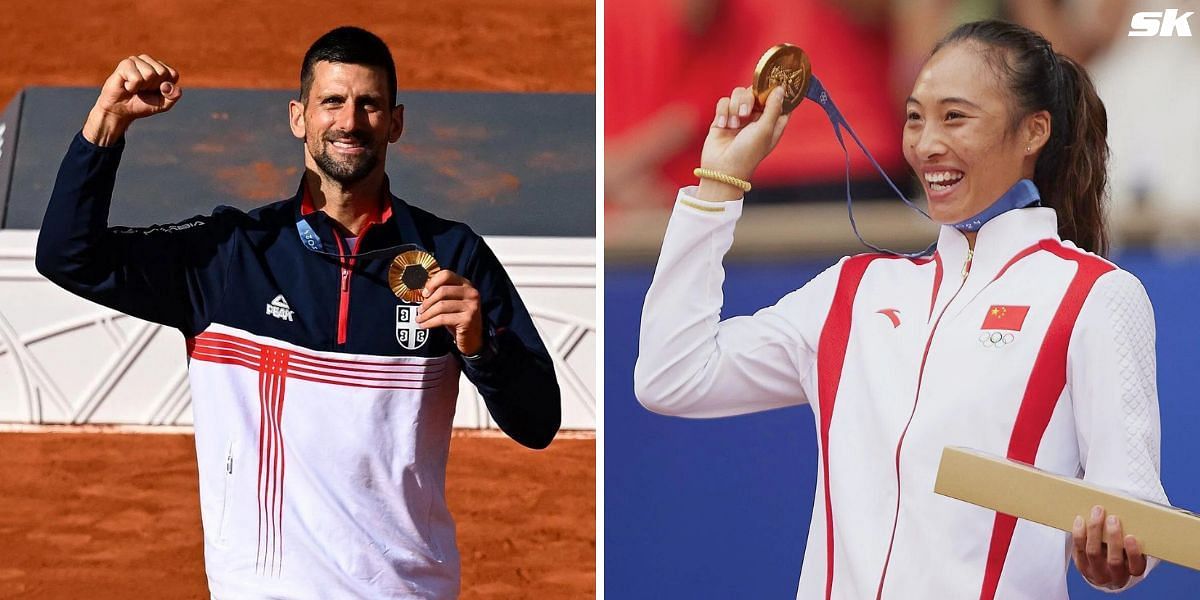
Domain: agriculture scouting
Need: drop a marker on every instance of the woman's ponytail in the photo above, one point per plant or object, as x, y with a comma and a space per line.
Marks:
1072, 171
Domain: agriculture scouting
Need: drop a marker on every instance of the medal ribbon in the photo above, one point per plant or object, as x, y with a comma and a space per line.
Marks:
816, 93
1020, 195
312, 241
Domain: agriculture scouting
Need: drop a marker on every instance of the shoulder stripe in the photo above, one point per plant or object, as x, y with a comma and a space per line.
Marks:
1045, 385
1017, 258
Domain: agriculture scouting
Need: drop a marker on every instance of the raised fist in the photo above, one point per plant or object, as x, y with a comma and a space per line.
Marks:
140, 86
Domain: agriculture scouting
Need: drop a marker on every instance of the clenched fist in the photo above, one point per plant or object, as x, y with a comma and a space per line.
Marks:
139, 87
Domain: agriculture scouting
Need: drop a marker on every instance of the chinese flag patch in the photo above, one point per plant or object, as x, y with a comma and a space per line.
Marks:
1005, 317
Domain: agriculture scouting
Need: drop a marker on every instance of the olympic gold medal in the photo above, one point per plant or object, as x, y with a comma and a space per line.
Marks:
784, 66
409, 273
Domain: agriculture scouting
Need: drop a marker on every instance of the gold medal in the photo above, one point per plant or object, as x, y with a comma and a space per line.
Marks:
409, 273
783, 66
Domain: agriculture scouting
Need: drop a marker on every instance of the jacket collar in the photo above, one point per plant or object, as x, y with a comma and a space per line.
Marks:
997, 242
395, 211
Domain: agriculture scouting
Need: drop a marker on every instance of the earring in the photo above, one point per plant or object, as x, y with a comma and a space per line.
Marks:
1028, 149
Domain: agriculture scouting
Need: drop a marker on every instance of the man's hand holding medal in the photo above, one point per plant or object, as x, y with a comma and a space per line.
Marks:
451, 301
446, 298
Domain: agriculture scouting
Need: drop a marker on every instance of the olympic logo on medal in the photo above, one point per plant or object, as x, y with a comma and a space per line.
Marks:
783, 66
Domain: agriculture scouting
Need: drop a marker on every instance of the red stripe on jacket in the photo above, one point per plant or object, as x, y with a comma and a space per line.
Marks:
1046, 383
831, 358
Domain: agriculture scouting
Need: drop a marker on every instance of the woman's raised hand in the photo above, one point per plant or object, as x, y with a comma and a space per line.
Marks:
741, 137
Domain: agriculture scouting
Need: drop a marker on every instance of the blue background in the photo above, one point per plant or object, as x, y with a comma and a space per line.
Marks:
720, 508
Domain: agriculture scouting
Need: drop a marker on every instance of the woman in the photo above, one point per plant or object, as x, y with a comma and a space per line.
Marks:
1015, 338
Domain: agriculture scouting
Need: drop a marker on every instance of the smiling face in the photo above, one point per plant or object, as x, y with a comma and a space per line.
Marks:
346, 121
959, 136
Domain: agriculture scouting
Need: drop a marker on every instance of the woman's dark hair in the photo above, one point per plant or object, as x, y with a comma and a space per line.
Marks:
1072, 170
351, 46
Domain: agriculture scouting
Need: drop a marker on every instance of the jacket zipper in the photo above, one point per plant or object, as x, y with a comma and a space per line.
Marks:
966, 270
347, 270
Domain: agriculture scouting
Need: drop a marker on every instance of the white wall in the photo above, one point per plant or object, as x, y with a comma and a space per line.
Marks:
64, 359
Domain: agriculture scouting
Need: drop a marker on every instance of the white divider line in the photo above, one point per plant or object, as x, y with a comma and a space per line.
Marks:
566, 434
94, 428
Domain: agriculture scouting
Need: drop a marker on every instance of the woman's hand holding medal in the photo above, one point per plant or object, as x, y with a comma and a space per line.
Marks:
739, 138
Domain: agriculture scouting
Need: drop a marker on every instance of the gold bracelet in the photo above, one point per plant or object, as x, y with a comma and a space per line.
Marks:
741, 184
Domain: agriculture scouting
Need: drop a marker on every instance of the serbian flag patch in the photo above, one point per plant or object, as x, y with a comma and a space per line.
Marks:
1005, 317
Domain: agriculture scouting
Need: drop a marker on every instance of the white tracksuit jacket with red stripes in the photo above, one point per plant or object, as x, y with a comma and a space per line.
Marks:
1031, 349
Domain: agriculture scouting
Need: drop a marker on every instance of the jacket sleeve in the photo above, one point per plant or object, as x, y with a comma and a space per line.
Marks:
1113, 390
514, 372
692, 364
168, 274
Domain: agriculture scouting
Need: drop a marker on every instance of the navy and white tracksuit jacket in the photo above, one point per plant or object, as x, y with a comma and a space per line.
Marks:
1027, 347
322, 414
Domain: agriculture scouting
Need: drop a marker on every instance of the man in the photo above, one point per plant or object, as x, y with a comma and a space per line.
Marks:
325, 344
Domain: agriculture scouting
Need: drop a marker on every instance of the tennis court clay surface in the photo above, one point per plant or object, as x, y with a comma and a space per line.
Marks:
109, 516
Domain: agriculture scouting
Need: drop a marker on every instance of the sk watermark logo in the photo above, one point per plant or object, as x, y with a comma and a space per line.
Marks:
410, 335
1164, 23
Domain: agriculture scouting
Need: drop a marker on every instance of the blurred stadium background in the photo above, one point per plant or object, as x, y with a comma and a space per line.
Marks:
720, 509
98, 483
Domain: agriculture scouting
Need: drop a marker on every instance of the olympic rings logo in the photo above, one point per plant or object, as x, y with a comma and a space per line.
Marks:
995, 339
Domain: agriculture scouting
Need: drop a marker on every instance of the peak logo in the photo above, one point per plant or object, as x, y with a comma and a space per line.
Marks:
279, 309
1164, 23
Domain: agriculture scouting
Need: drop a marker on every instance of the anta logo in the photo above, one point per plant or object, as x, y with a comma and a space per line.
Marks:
409, 335
279, 309
892, 314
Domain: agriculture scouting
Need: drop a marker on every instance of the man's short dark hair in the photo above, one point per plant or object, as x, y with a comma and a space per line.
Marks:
351, 46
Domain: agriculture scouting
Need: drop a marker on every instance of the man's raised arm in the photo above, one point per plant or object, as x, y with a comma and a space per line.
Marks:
170, 274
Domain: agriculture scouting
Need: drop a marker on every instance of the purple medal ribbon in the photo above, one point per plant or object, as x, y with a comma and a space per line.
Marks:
1020, 195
